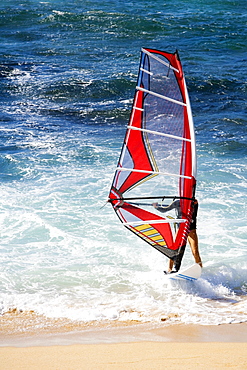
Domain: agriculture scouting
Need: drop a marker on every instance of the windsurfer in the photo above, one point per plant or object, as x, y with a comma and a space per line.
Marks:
192, 236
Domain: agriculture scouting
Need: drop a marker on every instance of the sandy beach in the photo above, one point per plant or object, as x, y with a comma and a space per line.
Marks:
145, 355
142, 346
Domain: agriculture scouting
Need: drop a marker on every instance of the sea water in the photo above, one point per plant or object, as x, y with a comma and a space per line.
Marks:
67, 72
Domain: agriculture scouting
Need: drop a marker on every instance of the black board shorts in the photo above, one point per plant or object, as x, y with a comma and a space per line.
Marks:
194, 217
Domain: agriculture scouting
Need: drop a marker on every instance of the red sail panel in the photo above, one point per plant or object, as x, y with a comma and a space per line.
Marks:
158, 158
134, 154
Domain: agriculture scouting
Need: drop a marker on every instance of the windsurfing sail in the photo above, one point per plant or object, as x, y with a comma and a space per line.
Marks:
154, 184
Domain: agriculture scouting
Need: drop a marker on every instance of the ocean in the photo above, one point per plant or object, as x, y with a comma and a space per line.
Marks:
68, 71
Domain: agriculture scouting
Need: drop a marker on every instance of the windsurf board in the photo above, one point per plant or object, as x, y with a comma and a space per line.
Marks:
191, 273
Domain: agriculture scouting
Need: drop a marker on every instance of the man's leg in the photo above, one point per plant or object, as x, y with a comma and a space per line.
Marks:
193, 241
170, 265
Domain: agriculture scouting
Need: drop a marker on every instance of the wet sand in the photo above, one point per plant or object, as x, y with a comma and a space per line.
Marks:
62, 346
141, 355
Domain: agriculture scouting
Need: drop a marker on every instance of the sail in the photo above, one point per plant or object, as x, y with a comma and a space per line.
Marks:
154, 184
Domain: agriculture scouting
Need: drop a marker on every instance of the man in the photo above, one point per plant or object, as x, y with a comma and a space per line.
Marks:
192, 236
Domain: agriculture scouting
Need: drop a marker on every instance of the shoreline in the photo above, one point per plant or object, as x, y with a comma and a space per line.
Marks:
127, 346
123, 332
181, 347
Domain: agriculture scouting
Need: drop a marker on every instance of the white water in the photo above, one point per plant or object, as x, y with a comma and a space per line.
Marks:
63, 255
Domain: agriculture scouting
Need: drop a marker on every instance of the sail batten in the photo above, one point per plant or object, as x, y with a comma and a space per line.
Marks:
146, 71
158, 59
140, 109
160, 96
158, 133
169, 221
152, 172
158, 157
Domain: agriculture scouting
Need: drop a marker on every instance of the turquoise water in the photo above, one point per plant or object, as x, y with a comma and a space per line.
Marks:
67, 73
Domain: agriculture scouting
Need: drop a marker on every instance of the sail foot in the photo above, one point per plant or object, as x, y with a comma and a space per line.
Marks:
172, 254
